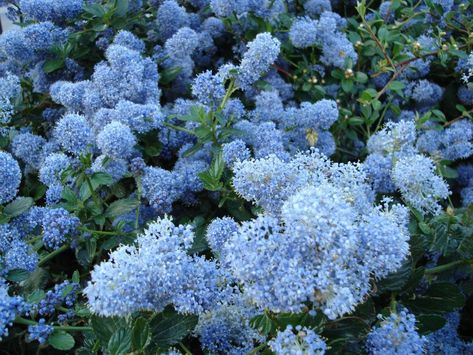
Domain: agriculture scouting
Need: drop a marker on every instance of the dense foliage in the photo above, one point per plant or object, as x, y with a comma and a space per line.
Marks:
236, 177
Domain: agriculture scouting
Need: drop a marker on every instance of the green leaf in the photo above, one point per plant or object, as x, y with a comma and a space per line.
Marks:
104, 327
35, 296
347, 327
61, 340
95, 10
140, 336
75, 276
53, 65
17, 275
427, 323
121, 207
121, 7
347, 85
171, 328
120, 342
440, 298
101, 178
396, 281
263, 324
18, 206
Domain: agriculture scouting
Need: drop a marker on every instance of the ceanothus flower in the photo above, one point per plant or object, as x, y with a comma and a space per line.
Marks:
73, 133
154, 273
446, 340
52, 168
51, 10
226, 329
40, 331
316, 7
219, 231
15, 253
298, 340
235, 151
170, 17
208, 88
415, 178
129, 40
10, 307
303, 32
160, 188
10, 177
262, 52
225, 8
396, 334
116, 140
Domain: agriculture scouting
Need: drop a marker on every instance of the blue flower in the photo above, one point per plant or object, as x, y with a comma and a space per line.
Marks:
116, 140
40, 331
235, 151
52, 168
10, 177
415, 178
73, 133
208, 89
262, 52
154, 273
303, 32
298, 340
170, 18
396, 334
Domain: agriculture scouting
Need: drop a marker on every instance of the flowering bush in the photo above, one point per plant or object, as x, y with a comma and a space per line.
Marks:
236, 177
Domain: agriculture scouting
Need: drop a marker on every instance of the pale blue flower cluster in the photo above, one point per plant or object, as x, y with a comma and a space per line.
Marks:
235, 151
51, 10
40, 331
261, 53
116, 140
337, 50
415, 177
298, 340
10, 177
396, 334
73, 133
154, 273
321, 239
208, 89
15, 253
56, 223
10, 90
226, 329
10, 307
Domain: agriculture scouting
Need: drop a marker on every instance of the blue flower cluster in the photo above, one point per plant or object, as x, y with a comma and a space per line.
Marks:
299, 340
396, 334
155, 273
321, 239
10, 307
262, 169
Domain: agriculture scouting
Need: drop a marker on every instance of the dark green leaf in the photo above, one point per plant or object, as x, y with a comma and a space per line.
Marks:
121, 7
53, 65
396, 281
61, 340
120, 342
105, 327
121, 207
263, 324
17, 275
140, 335
439, 298
171, 329
427, 323
18, 206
